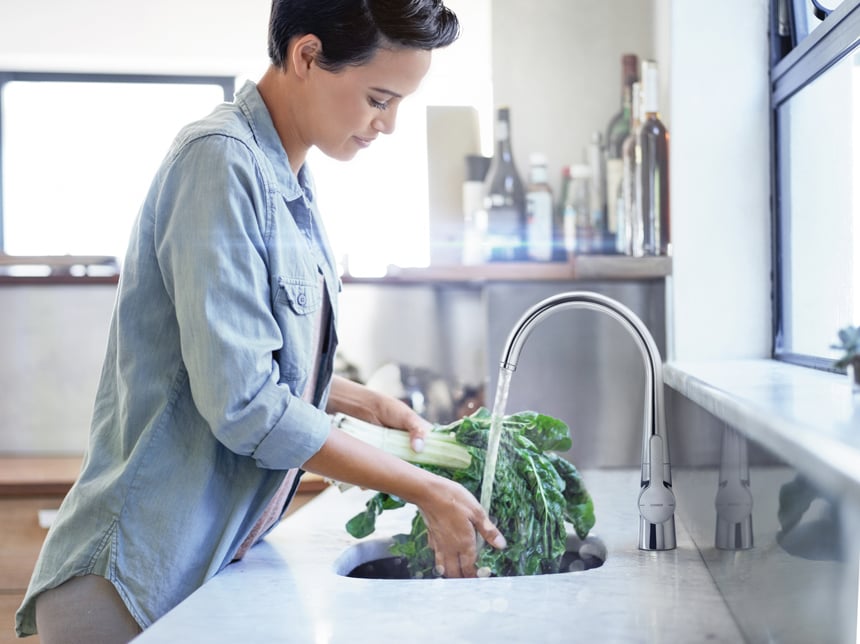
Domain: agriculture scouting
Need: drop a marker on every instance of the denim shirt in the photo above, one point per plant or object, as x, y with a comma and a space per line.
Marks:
199, 412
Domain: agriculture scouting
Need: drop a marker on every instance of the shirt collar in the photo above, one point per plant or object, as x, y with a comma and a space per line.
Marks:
251, 103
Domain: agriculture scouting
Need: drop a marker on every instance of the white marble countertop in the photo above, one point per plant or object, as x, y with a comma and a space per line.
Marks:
287, 589
805, 416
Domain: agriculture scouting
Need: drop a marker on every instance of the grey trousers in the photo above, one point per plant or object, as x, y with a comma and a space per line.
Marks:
84, 610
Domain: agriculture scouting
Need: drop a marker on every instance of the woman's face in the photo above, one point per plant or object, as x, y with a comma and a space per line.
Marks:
349, 108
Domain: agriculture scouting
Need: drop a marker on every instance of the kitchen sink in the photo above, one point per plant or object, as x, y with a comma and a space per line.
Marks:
371, 559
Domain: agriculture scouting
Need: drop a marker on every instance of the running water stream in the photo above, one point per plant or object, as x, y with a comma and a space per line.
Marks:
495, 436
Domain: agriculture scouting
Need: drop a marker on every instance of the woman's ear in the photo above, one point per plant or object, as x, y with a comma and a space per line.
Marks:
304, 51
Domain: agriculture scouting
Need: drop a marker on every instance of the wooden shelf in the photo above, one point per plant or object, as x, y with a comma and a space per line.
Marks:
591, 267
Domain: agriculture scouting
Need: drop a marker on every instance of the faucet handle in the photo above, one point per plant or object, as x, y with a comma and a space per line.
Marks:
656, 503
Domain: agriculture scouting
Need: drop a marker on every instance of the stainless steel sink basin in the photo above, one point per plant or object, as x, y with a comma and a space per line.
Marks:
371, 559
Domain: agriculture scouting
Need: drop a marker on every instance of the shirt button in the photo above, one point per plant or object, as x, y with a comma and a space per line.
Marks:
302, 299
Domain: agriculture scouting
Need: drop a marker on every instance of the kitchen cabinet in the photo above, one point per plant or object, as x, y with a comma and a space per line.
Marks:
30, 487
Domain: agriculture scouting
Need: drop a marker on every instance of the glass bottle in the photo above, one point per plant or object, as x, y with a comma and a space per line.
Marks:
504, 198
539, 209
617, 132
619, 126
599, 223
630, 229
578, 209
653, 185
565, 227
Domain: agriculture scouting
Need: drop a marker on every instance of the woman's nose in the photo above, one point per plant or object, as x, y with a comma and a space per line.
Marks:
384, 123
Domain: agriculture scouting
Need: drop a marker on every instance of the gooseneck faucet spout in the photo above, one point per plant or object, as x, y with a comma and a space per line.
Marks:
656, 499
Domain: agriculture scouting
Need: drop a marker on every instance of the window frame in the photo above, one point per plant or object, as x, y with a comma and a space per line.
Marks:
797, 59
227, 84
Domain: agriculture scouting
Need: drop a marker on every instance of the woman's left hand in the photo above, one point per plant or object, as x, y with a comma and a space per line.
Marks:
358, 401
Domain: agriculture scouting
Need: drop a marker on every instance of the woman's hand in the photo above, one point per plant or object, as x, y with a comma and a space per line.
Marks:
358, 401
452, 516
451, 512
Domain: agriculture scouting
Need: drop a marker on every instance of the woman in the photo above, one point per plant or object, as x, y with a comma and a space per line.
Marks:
217, 384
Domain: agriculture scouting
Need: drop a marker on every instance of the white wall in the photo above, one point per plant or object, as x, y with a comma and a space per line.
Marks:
719, 179
557, 64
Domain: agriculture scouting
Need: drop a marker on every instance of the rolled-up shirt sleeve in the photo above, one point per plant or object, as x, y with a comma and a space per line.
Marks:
210, 243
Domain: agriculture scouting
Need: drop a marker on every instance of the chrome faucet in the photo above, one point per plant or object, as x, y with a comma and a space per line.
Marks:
656, 499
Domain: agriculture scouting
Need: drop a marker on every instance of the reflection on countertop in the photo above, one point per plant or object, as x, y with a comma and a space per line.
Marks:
774, 510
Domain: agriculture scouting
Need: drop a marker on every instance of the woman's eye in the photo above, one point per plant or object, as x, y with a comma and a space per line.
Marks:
377, 104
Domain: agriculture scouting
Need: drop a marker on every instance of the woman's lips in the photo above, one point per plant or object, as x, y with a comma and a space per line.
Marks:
362, 142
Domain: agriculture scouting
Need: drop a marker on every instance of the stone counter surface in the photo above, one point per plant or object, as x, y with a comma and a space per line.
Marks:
286, 589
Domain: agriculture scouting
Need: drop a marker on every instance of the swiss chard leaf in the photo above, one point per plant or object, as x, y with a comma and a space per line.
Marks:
364, 523
535, 491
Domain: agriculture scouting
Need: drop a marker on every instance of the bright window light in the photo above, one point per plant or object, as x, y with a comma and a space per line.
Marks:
78, 158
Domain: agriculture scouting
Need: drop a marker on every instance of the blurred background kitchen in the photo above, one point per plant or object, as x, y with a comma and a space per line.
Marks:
430, 286
78, 158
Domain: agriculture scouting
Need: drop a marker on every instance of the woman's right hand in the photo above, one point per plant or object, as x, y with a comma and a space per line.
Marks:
453, 515
451, 512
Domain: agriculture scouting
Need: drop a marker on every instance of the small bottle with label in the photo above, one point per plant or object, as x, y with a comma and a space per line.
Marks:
578, 228
539, 211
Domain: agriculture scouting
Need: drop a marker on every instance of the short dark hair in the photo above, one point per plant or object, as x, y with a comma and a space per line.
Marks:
352, 30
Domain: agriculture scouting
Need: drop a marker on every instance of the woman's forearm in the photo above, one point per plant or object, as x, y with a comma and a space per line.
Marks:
349, 460
353, 399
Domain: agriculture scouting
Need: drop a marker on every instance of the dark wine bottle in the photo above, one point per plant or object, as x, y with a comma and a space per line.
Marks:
504, 198
653, 185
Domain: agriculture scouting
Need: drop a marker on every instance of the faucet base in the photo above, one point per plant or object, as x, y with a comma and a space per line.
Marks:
657, 536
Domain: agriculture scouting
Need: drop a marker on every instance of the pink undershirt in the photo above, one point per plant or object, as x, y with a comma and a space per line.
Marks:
277, 506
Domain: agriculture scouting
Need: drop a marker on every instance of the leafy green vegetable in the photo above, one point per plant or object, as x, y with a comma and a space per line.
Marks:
534, 493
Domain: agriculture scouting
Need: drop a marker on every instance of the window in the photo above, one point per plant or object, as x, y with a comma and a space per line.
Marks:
80, 150
815, 92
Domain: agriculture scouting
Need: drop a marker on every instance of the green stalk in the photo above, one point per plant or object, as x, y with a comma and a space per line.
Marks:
440, 447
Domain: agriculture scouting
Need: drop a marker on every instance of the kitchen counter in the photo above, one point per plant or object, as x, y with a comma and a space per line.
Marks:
805, 416
287, 589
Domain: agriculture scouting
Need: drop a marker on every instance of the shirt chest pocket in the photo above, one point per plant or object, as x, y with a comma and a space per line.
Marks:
303, 296
298, 302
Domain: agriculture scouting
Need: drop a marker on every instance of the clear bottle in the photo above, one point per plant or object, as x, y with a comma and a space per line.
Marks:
540, 211
617, 132
629, 240
619, 125
565, 233
579, 230
599, 224
653, 185
504, 198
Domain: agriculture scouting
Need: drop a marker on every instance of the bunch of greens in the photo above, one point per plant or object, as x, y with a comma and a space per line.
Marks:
534, 492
